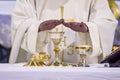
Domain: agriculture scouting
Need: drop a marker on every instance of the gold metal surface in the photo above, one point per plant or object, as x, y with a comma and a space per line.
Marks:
57, 49
56, 41
62, 11
115, 48
62, 15
31, 62
69, 20
82, 49
39, 59
114, 8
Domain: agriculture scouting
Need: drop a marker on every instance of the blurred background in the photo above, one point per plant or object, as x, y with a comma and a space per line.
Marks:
6, 7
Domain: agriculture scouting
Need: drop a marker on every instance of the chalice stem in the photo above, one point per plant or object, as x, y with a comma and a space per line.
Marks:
57, 49
81, 60
84, 61
57, 56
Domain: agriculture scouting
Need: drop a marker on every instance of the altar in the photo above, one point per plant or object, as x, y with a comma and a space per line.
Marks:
18, 72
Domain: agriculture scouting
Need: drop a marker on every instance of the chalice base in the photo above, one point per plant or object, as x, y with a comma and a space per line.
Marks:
56, 63
82, 60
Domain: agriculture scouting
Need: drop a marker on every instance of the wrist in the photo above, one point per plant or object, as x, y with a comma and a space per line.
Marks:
39, 29
87, 29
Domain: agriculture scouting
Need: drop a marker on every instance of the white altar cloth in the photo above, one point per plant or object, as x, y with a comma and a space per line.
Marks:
18, 72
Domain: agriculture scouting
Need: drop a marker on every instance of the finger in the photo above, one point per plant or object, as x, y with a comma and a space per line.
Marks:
83, 24
62, 20
85, 27
66, 24
57, 22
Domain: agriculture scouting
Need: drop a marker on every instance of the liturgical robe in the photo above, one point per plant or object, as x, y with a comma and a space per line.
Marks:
28, 14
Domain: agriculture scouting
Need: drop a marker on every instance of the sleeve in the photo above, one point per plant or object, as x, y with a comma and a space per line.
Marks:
102, 25
20, 16
24, 29
25, 26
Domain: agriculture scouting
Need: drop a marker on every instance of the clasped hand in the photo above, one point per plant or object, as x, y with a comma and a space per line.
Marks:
75, 26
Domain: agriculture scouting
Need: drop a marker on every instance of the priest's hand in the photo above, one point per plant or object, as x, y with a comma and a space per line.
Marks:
76, 26
49, 24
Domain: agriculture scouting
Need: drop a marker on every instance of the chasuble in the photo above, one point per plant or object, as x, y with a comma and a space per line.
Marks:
29, 14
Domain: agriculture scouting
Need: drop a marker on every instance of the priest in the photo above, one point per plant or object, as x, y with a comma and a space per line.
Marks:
32, 20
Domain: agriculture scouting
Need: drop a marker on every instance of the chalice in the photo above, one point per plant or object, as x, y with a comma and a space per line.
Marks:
83, 49
56, 38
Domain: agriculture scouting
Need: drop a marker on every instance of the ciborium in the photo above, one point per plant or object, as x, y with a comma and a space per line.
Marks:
56, 39
82, 51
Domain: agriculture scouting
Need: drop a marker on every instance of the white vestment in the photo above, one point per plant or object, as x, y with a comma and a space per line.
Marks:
28, 15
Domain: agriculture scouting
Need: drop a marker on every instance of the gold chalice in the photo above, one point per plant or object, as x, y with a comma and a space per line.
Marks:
56, 38
83, 49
